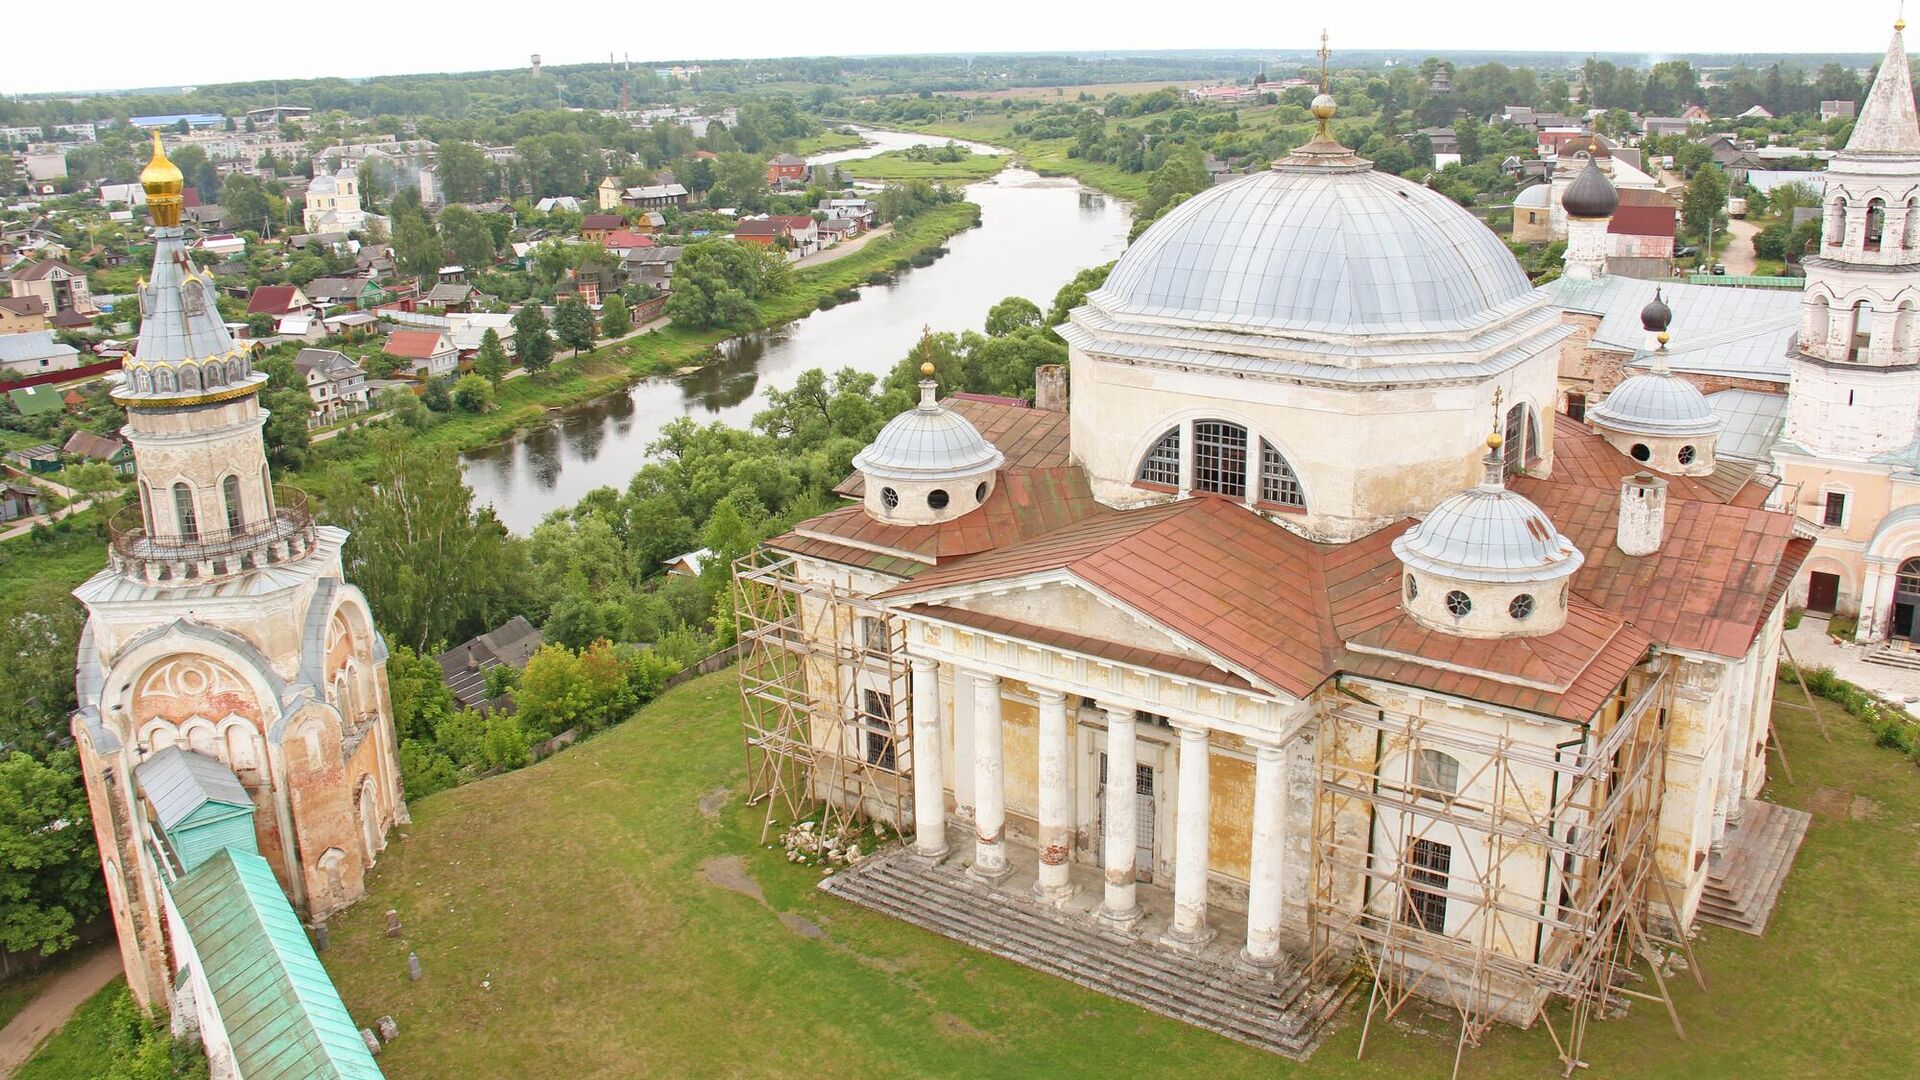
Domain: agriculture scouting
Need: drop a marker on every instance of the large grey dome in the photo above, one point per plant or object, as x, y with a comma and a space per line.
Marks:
1317, 251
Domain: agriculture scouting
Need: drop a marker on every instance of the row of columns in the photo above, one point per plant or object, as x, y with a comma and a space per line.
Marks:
1119, 908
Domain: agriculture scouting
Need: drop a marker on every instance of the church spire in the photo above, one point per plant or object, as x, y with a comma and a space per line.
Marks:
1887, 123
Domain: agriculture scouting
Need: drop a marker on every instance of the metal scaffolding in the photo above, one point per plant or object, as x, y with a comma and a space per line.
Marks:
825, 698
1554, 898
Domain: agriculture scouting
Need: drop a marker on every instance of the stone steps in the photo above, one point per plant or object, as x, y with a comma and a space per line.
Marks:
1900, 658
1281, 1012
1744, 882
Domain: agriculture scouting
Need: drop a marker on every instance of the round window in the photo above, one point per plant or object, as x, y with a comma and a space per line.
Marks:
1458, 604
1520, 606
980, 493
1413, 588
1640, 452
1686, 455
937, 498
889, 498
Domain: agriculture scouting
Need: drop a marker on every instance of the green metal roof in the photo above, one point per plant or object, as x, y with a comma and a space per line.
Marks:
200, 805
280, 1010
1750, 281
34, 400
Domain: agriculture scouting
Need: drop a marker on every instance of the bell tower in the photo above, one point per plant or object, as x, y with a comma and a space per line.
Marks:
222, 628
1856, 375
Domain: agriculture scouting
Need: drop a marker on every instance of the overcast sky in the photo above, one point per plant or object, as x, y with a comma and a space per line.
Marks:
107, 44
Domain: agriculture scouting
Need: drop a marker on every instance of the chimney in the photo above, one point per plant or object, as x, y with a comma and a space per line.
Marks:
1643, 513
1050, 388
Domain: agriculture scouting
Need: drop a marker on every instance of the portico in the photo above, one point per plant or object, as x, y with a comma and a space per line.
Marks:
1083, 815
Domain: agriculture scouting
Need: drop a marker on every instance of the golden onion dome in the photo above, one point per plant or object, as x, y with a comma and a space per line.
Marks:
163, 183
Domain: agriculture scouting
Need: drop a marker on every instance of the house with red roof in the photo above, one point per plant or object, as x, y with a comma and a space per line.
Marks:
61, 287
621, 241
595, 228
424, 354
279, 301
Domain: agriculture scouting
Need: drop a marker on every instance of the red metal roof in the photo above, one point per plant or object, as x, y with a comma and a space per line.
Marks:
1582, 456
272, 300
1643, 221
414, 344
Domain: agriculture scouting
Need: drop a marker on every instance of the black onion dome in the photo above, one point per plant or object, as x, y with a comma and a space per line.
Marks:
1656, 316
1591, 194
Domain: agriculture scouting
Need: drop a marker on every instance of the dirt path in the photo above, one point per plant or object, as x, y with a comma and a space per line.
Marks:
843, 249
44, 1015
1739, 257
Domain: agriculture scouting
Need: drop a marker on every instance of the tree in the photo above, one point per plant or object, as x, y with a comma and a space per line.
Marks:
615, 322
1183, 173
739, 181
717, 281
473, 393
531, 345
1013, 313
466, 237
433, 568
405, 407
491, 361
39, 632
465, 173
247, 202
573, 324
1705, 202
415, 246
286, 433
53, 882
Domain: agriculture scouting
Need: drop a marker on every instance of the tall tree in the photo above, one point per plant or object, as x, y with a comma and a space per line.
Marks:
530, 341
52, 882
491, 360
466, 237
39, 631
1705, 201
434, 570
615, 322
465, 173
573, 324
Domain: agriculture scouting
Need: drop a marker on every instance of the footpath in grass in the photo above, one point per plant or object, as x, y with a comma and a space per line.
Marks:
81, 1047
611, 912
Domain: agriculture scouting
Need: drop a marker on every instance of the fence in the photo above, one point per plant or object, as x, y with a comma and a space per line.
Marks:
72, 374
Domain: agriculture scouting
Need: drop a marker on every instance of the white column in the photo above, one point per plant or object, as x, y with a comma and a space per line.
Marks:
1055, 839
1868, 626
989, 791
929, 769
962, 745
1190, 929
1269, 856
1120, 819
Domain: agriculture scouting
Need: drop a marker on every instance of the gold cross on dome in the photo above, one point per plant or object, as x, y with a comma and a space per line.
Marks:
1496, 408
1324, 53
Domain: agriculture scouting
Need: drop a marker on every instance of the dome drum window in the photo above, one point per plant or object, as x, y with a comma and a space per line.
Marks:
1162, 465
1641, 452
937, 498
1459, 604
1686, 455
1520, 606
1220, 458
890, 498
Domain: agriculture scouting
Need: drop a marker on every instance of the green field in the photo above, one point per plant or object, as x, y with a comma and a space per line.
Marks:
567, 928
895, 165
825, 141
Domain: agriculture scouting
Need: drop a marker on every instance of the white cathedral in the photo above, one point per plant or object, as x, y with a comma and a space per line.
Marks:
1306, 638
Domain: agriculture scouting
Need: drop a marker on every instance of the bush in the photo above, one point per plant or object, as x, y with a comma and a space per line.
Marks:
473, 393
1890, 725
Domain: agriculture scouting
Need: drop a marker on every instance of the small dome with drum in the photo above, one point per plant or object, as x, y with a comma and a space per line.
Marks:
928, 465
1656, 417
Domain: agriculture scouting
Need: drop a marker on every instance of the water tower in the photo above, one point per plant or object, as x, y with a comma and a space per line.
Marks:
536, 63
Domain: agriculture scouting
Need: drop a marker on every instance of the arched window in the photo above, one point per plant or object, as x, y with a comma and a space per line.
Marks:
163, 380
1220, 458
1818, 327
1876, 223
1860, 342
236, 370
189, 377
1907, 582
1278, 484
143, 381
1436, 774
1162, 464
1522, 435
230, 493
183, 510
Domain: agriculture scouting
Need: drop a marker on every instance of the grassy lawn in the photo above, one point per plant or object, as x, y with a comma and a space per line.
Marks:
566, 928
896, 165
80, 1047
825, 141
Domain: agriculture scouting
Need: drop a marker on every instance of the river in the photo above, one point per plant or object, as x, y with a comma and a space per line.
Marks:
1035, 234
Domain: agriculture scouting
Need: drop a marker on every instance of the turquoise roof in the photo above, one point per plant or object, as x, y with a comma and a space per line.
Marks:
199, 805
281, 1013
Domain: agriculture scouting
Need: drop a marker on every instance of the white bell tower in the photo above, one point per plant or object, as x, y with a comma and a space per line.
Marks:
1855, 386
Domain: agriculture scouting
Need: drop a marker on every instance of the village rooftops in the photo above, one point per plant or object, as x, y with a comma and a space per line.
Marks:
415, 344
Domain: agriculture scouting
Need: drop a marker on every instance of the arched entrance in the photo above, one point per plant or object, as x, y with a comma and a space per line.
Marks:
1906, 600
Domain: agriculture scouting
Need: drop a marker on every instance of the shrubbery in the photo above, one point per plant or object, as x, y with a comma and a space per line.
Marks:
1891, 725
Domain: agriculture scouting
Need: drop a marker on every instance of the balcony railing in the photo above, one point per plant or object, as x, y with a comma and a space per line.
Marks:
283, 535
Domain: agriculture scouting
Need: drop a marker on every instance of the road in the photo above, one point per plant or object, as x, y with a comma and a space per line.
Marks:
44, 1014
843, 249
1739, 257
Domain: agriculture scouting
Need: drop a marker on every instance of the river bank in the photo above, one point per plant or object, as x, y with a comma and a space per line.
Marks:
525, 403
1048, 157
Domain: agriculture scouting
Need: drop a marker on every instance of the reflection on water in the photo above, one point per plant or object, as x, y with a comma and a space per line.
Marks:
1037, 233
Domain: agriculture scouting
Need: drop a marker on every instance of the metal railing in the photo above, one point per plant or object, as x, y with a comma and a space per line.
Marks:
285, 533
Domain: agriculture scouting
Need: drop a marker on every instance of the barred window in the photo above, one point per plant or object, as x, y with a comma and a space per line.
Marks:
1162, 465
1278, 484
876, 716
1220, 458
1428, 864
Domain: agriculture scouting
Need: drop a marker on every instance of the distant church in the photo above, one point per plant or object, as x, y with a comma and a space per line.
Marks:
1306, 635
234, 725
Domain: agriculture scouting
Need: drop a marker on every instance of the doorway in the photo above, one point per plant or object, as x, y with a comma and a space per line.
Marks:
1143, 787
1906, 598
1823, 592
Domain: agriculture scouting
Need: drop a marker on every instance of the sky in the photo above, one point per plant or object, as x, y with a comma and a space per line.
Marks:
242, 40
